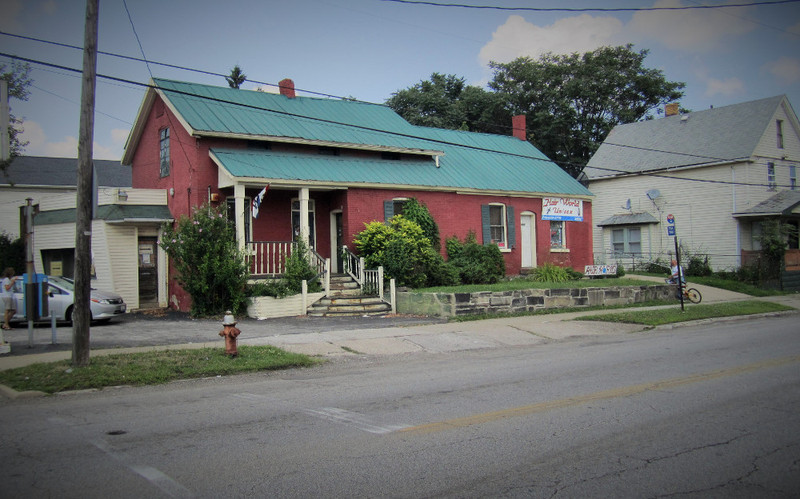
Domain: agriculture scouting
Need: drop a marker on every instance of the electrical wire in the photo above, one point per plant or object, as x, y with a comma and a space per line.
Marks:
589, 9
397, 134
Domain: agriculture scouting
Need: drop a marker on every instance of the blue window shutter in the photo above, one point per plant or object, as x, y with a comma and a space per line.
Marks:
512, 230
388, 210
487, 230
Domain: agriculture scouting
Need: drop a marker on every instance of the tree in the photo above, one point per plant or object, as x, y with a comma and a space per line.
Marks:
236, 77
445, 101
573, 101
18, 77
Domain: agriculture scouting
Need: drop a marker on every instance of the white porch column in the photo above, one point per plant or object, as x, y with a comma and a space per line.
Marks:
238, 203
305, 230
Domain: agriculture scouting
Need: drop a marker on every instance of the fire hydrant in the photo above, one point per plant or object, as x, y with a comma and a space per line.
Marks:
230, 332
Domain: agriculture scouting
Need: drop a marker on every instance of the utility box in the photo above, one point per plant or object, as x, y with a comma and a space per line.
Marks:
36, 296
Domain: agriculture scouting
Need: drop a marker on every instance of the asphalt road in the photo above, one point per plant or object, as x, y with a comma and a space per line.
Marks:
710, 410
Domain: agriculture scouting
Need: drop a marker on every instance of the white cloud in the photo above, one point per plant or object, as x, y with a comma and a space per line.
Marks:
517, 37
725, 87
696, 30
785, 69
39, 145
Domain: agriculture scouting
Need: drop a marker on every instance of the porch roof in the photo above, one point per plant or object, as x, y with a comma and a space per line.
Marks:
110, 213
469, 170
629, 219
781, 204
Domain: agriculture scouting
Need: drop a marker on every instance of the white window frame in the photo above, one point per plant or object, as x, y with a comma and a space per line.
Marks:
312, 226
772, 182
503, 226
626, 241
563, 232
164, 152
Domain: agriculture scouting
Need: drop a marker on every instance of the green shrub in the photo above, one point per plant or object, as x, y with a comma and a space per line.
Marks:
656, 267
620, 271
547, 272
404, 252
475, 263
12, 253
574, 275
277, 288
210, 267
698, 266
416, 211
298, 269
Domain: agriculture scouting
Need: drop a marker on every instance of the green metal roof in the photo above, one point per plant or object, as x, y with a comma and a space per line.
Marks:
469, 161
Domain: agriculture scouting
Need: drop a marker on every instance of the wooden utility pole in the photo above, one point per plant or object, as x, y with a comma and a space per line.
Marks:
83, 227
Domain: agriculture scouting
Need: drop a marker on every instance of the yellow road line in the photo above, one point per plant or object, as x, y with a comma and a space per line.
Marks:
625, 391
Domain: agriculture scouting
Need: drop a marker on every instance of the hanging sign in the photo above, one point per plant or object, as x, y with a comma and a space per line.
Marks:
566, 209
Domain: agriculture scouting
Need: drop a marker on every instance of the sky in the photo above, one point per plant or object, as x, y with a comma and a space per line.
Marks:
369, 49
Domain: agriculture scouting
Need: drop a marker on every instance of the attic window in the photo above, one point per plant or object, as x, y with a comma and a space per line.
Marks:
258, 144
328, 151
779, 127
392, 156
771, 181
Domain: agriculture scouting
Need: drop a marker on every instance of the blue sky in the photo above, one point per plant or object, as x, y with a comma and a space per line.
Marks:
369, 49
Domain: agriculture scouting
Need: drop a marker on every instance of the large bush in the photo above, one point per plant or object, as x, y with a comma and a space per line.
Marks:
475, 263
298, 269
404, 252
417, 212
210, 267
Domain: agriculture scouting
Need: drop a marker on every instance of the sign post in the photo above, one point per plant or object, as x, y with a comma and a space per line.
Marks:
672, 232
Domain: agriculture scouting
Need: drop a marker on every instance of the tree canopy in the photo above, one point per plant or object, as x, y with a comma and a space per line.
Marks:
446, 101
18, 77
571, 102
236, 78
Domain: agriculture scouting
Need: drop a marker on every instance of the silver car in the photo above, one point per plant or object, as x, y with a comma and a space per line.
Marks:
61, 292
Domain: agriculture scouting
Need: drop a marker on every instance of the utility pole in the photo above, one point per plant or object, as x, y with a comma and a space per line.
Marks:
83, 226
5, 144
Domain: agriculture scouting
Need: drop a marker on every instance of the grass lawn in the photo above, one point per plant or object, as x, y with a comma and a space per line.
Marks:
149, 368
526, 284
692, 312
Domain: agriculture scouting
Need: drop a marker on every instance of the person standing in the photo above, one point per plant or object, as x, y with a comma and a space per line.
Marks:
8, 296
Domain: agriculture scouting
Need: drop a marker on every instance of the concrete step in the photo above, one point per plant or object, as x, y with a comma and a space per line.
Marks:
349, 306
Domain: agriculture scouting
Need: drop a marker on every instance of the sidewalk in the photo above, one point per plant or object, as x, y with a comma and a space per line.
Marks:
397, 335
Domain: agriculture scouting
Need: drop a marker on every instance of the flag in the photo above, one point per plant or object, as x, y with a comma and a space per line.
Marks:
257, 201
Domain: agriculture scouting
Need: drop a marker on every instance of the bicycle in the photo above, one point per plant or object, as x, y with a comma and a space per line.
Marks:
691, 294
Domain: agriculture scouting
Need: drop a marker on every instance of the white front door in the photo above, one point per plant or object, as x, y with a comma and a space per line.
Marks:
527, 223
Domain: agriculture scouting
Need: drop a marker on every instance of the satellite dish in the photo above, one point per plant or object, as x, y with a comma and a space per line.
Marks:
627, 205
653, 194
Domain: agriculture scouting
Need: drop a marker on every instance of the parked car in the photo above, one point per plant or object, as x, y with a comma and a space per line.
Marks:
61, 292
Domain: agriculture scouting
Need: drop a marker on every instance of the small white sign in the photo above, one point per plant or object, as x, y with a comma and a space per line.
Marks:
600, 270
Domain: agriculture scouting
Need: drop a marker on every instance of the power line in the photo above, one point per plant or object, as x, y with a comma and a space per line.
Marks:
590, 9
411, 136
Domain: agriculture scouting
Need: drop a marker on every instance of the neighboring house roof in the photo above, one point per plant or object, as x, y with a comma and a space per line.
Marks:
722, 134
40, 171
781, 204
629, 219
446, 158
110, 213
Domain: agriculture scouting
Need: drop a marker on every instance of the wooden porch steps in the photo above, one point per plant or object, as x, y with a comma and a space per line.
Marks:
346, 300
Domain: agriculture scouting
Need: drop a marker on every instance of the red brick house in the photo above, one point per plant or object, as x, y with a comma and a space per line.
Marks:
334, 165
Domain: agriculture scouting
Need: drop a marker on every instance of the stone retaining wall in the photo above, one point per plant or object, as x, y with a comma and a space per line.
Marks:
526, 300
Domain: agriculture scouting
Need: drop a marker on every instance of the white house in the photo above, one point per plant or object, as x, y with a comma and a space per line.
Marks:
39, 177
719, 172
126, 258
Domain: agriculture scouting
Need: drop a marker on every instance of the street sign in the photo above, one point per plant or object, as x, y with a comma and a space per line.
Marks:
670, 230
670, 219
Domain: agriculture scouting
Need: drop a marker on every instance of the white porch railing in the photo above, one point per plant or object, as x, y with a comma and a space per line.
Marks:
269, 257
370, 281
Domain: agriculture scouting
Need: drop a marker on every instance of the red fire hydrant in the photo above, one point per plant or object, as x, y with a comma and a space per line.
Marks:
230, 332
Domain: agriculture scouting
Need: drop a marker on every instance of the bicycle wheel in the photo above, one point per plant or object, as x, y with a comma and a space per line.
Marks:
694, 295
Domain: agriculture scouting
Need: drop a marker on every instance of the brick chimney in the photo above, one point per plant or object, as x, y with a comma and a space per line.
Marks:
671, 109
286, 87
518, 125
